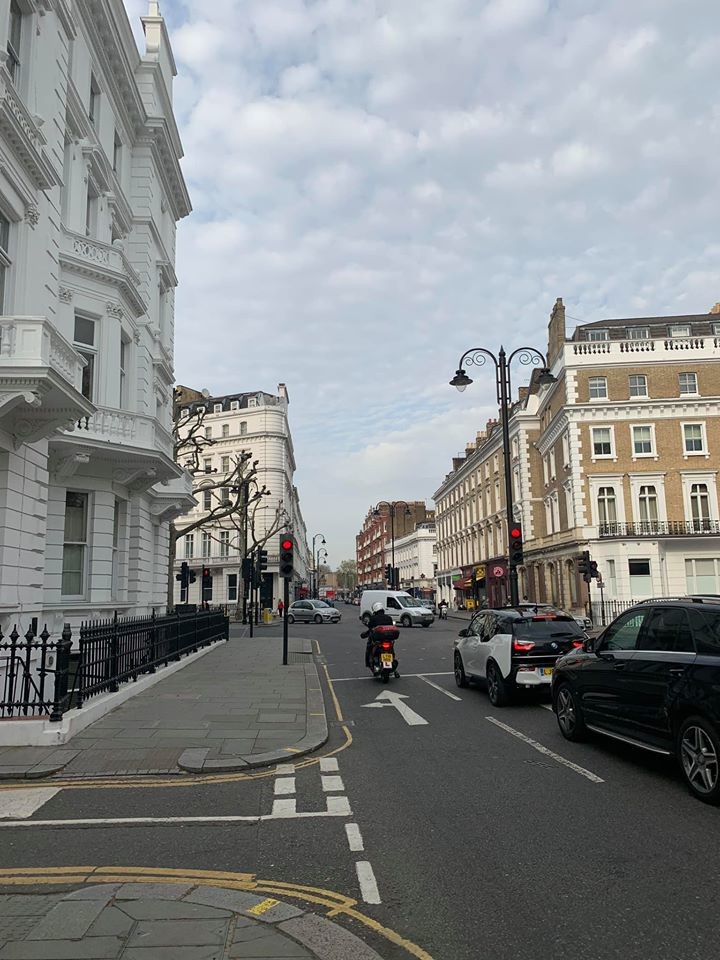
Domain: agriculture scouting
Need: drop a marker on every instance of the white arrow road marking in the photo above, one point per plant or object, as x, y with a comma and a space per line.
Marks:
389, 699
21, 803
548, 753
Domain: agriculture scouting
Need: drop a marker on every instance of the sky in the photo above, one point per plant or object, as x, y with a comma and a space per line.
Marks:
379, 185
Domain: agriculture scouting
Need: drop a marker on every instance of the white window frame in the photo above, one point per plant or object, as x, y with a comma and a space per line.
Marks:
252, 401
5, 260
603, 456
687, 393
14, 45
208, 433
652, 452
83, 543
691, 562
631, 386
189, 545
637, 333
597, 382
206, 545
232, 587
225, 464
679, 330
597, 335
207, 499
217, 408
710, 480
614, 480
716, 329
234, 404
703, 437
224, 543
243, 428
657, 480
89, 352
225, 430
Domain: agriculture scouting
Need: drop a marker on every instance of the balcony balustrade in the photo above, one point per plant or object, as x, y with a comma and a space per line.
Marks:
660, 528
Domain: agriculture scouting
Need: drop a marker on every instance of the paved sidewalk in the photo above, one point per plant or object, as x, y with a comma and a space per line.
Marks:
235, 708
157, 921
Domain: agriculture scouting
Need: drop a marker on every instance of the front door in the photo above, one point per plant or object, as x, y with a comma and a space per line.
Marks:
665, 654
601, 684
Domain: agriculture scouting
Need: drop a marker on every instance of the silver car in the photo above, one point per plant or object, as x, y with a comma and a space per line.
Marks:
315, 611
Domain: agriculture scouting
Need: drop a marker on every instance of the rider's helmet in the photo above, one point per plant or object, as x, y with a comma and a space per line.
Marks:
377, 607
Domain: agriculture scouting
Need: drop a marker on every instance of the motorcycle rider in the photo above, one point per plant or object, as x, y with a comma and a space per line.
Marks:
378, 618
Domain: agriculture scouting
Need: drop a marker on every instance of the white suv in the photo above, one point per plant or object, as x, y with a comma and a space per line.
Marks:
512, 648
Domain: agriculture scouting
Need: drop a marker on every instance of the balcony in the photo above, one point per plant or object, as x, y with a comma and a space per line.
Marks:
103, 262
629, 351
135, 449
40, 380
660, 528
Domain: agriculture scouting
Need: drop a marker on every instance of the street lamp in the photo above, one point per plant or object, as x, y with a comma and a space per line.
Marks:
391, 509
478, 356
314, 557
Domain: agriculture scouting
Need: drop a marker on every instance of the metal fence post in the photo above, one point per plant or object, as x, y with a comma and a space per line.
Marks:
153, 642
62, 663
113, 686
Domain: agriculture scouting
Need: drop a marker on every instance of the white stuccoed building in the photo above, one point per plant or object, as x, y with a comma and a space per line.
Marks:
90, 193
416, 559
257, 423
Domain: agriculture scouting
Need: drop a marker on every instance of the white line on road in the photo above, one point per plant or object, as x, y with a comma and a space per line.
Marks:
328, 765
443, 673
355, 840
21, 803
284, 808
548, 753
284, 785
330, 784
368, 883
441, 689
285, 769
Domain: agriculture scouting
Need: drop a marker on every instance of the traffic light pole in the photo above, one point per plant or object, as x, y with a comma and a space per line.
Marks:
286, 604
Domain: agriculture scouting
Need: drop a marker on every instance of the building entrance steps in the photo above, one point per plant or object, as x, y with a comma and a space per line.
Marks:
236, 708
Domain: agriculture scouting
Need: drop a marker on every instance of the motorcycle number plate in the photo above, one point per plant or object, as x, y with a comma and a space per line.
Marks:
386, 658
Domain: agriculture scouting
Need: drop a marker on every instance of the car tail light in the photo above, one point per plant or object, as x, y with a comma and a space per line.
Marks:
386, 645
522, 646
577, 644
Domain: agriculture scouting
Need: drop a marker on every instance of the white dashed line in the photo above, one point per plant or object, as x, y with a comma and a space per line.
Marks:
368, 883
284, 785
328, 764
285, 769
338, 807
355, 840
548, 753
332, 784
284, 808
441, 689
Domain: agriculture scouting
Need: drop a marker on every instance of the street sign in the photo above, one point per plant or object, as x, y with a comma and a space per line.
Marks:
389, 699
497, 570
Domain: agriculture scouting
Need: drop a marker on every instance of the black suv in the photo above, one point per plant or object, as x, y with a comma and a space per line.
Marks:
652, 678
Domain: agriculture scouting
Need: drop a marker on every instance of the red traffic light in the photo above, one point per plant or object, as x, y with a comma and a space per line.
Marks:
286, 544
206, 571
516, 533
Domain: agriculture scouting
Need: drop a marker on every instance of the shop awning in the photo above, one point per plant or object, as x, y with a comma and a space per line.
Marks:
463, 584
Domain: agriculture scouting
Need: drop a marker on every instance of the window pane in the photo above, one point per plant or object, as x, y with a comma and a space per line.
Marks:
668, 629
597, 335
638, 333
226, 430
639, 568
642, 439
693, 437
189, 546
85, 331
638, 386
4, 233
680, 330
207, 500
688, 383
225, 464
72, 571
75, 517
706, 628
88, 375
623, 634
598, 387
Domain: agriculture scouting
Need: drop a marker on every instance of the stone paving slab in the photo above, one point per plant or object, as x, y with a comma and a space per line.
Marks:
236, 708
157, 921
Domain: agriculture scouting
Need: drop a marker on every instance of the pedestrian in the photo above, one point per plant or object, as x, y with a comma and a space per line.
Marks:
281, 607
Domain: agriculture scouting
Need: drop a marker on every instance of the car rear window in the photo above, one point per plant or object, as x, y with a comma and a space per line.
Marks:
545, 627
706, 631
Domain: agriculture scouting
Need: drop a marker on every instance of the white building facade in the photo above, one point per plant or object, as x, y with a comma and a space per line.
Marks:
90, 193
416, 558
257, 424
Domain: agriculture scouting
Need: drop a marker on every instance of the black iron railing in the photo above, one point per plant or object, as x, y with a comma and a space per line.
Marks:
660, 528
604, 612
41, 676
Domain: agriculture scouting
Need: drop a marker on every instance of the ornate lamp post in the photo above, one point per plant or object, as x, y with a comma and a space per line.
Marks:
478, 356
315, 564
391, 509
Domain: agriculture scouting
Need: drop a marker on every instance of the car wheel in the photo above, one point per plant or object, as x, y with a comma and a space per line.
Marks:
365, 619
569, 714
460, 679
698, 750
291, 618
498, 688
317, 618
405, 621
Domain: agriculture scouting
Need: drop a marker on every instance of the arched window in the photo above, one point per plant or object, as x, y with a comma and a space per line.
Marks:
648, 508
700, 506
607, 507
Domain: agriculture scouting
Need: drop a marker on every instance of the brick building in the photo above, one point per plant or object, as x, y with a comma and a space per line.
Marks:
619, 457
372, 544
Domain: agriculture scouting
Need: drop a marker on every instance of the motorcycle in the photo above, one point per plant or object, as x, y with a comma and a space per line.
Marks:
382, 652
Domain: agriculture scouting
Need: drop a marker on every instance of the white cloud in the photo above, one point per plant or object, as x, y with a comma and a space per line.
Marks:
379, 186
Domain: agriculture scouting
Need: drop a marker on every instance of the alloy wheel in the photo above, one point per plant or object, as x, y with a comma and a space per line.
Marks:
566, 711
699, 759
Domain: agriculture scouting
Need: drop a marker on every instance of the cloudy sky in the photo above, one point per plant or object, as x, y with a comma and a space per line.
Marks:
380, 184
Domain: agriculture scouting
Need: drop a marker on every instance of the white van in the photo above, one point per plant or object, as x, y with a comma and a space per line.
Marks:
404, 609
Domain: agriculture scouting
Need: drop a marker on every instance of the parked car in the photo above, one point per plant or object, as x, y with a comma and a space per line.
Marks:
513, 648
317, 611
652, 679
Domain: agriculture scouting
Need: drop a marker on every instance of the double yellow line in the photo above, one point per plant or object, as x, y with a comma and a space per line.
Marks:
335, 904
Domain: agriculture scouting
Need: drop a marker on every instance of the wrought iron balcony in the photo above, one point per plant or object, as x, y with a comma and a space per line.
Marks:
660, 528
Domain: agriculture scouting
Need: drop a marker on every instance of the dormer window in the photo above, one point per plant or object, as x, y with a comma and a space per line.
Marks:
680, 330
252, 401
638, 333
234, 404
217, 408
597, 335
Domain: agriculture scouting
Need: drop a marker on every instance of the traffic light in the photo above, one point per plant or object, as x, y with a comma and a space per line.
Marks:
396, 578
515, 545
262, 559
287, 556
389, 574
247, 569
583, 565
183, 577
593, 570
206, 584
191, 576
